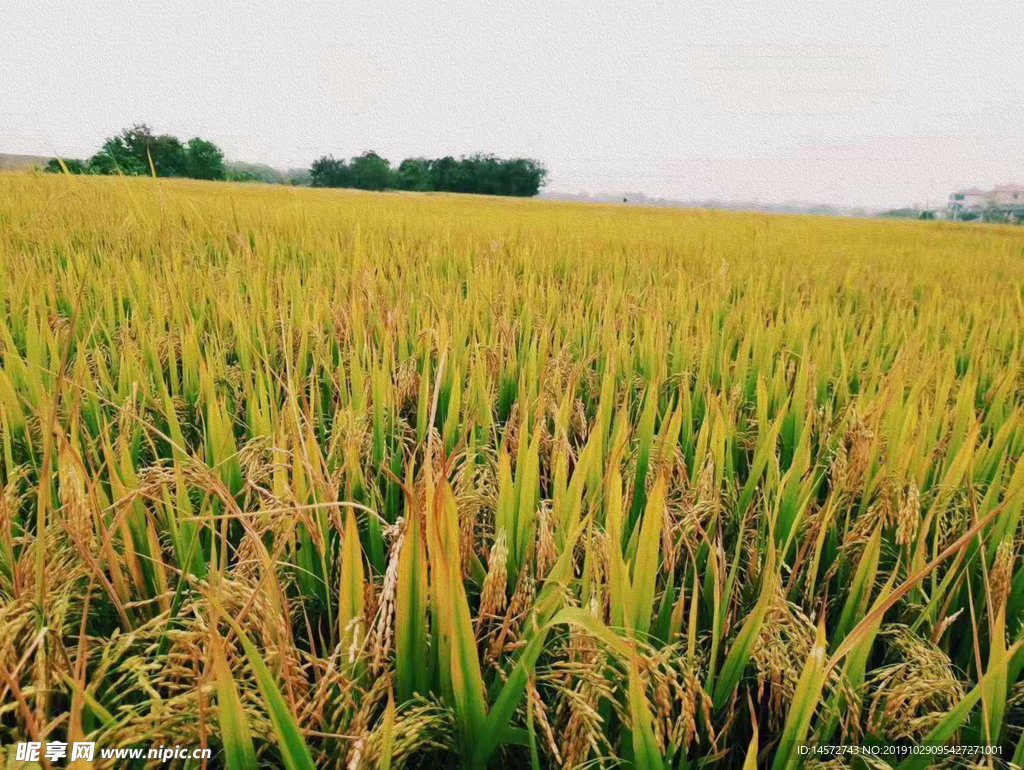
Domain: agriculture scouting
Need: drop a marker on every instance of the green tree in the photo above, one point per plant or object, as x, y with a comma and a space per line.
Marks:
115, 158
485, 174
203, 160
166, 151
131, 152
445, 174
74, 166
328, 172
524, 177
370, 171
414, 174
481, 173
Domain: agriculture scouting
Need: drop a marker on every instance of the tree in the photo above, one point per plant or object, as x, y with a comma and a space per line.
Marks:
444, 174
74, 166
370, 171
137, 151
480, 173
166, 152
524, 177
134, 150
413, 174
203, 160
115, 158
328, 172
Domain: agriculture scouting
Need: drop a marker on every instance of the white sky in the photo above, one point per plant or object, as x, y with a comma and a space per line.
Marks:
877, 102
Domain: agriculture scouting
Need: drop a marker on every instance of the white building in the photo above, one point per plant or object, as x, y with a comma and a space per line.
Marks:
1008, 195
969, 201
1002, 201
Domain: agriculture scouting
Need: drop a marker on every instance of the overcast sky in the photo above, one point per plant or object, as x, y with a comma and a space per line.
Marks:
873, 102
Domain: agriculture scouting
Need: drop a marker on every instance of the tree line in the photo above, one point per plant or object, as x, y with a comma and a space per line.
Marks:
138, 151
484, 174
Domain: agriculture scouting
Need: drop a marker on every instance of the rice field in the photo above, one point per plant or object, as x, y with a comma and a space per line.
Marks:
345, 480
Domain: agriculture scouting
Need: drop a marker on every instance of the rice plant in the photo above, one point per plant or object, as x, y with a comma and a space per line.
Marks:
342, 480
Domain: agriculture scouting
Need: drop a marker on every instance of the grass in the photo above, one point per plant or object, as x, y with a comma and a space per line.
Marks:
330, 479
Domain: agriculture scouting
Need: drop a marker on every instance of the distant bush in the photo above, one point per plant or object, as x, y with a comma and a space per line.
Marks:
73, 165
254, 172
908, 213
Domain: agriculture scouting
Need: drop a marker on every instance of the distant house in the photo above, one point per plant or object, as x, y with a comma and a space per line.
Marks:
1008, 195
1002, 202
971, 201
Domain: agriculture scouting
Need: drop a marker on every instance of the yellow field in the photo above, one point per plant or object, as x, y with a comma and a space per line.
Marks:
337, 479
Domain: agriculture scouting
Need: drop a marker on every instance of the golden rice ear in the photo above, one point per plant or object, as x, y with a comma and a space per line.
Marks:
947, 728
